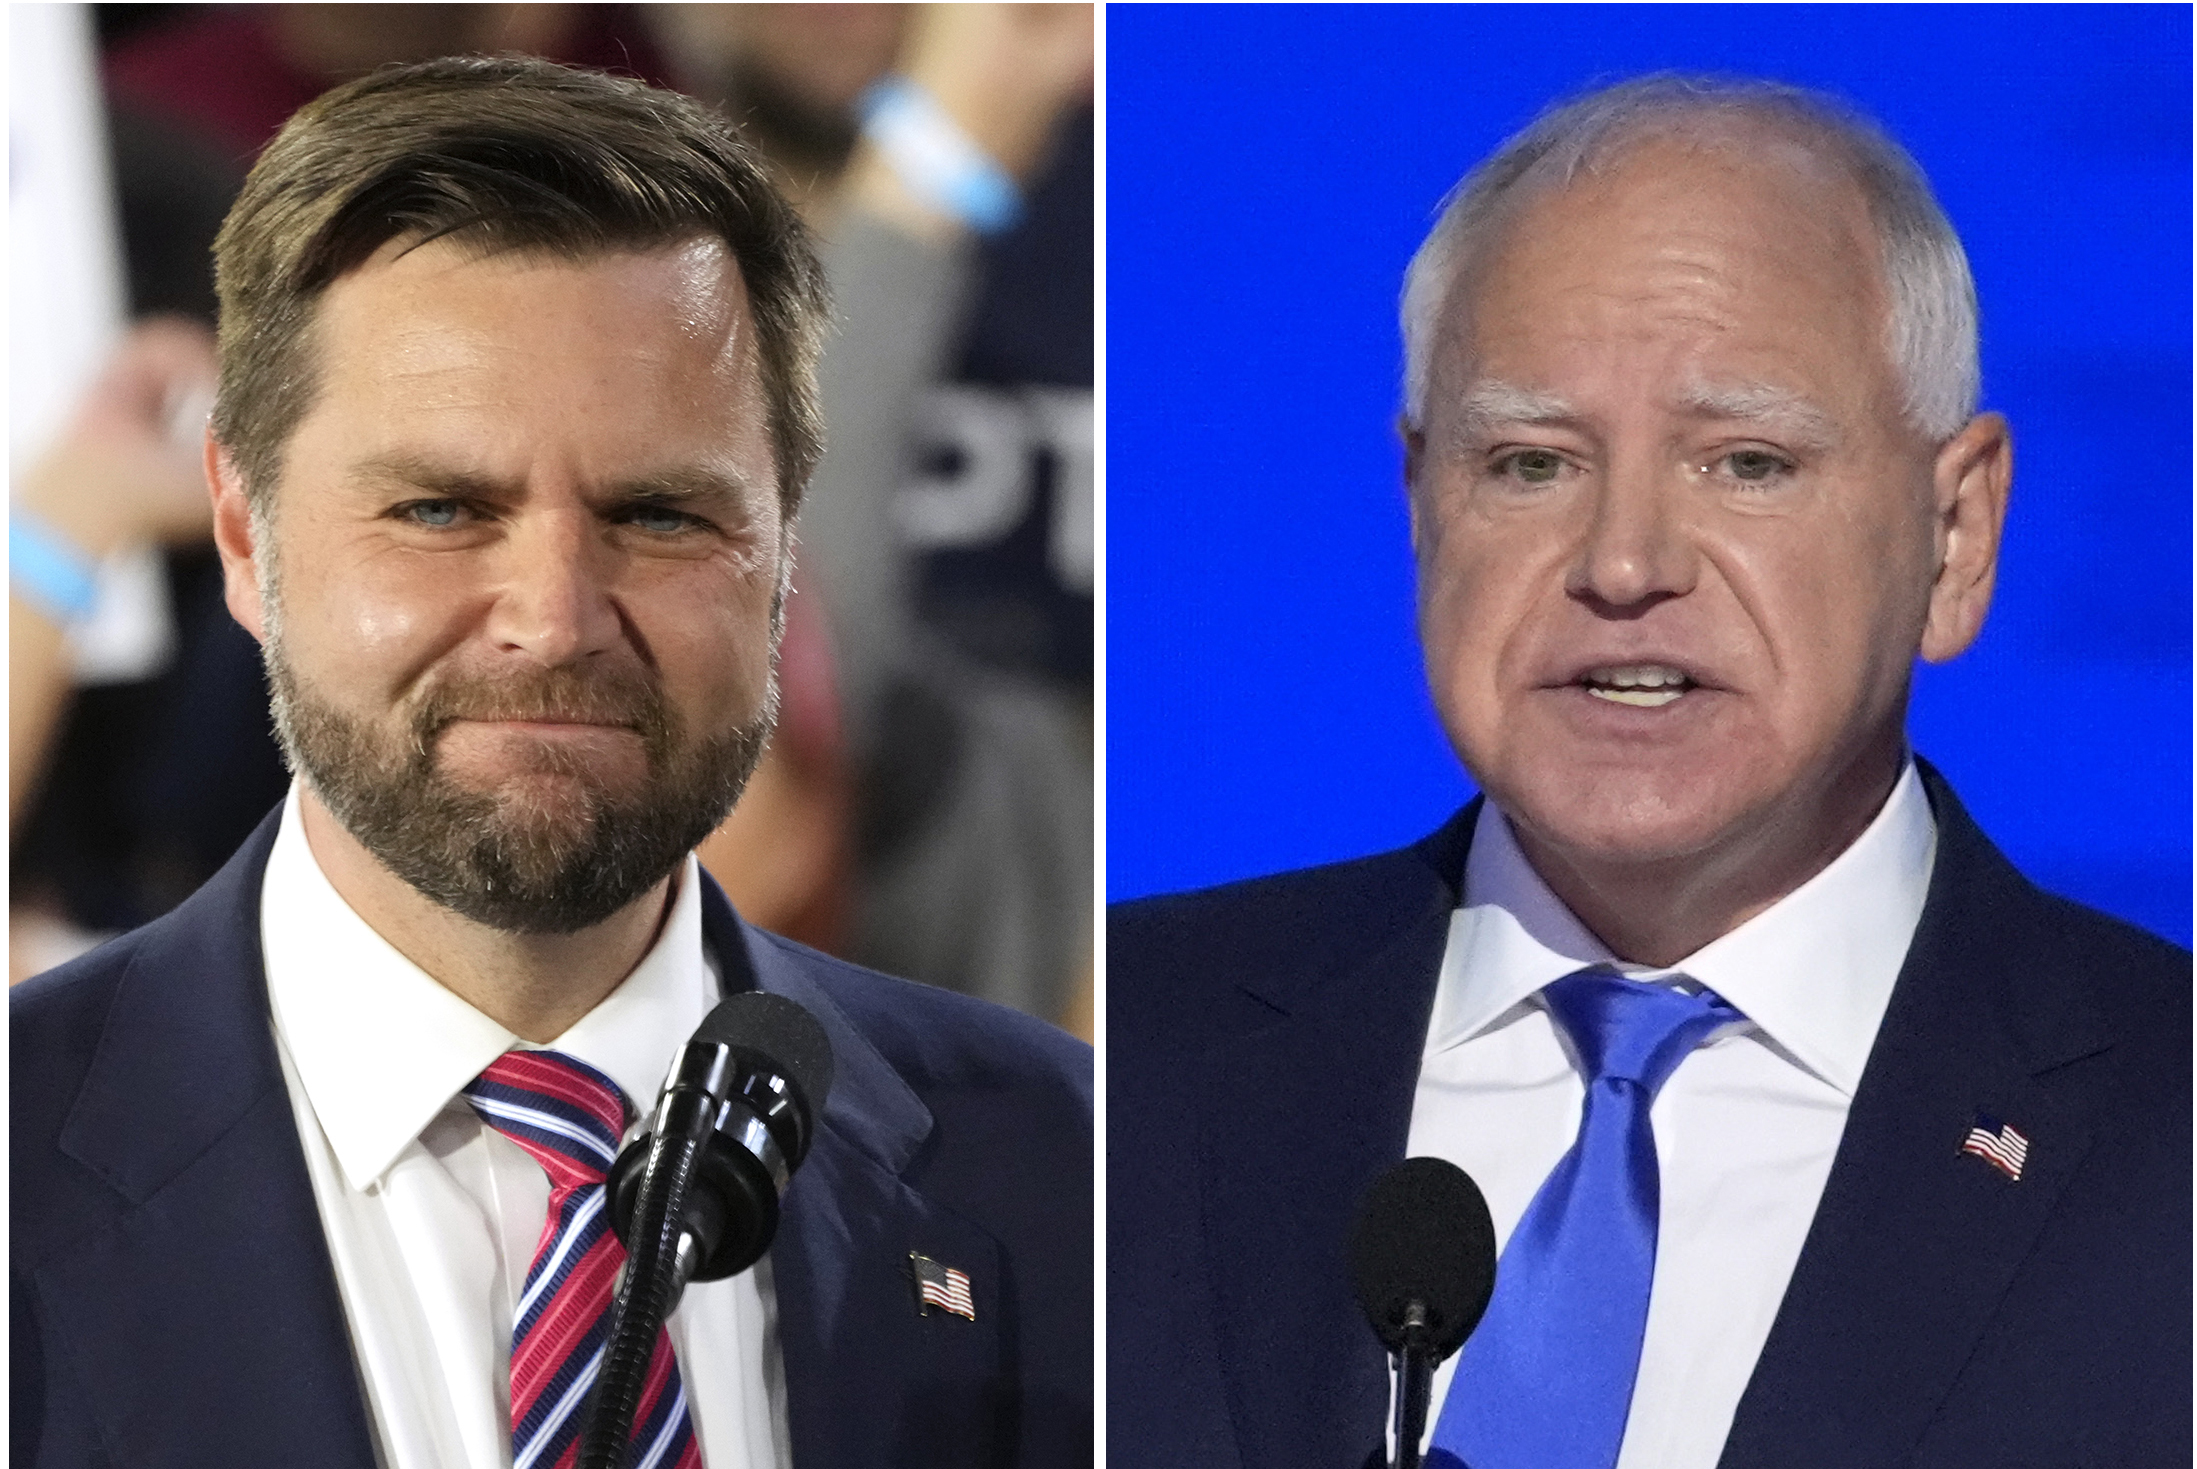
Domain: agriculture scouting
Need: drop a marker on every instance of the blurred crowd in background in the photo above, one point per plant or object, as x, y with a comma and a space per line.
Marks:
926, 805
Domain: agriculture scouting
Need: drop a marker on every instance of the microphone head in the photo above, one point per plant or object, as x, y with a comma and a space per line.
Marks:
775, 1029
1423, 1235
737, 1058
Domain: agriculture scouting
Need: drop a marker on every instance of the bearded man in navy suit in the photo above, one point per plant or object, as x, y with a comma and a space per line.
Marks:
517, 401
1695, 474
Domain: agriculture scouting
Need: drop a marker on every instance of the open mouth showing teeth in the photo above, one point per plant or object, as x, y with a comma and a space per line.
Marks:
1642, 685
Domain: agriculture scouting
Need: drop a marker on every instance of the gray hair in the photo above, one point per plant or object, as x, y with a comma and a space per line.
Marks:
1931, 333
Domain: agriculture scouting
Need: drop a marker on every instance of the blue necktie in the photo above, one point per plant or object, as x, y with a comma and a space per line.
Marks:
1547, 1379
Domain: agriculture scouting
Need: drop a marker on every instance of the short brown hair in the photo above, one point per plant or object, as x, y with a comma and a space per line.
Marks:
509, 153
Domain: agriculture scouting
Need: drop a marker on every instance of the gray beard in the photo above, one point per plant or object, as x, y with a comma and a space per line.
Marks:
511, 863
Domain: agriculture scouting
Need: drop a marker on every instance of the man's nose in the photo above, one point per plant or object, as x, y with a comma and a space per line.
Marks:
1635, 551
554, 599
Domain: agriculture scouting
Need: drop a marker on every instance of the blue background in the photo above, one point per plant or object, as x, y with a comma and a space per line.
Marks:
1269, 172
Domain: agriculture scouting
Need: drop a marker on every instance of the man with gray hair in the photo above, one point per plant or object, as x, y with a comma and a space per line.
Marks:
1811, 1133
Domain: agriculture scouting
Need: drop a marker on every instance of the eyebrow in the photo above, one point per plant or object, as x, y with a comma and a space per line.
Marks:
1762, 403
1491, 400
686, 482
413, 472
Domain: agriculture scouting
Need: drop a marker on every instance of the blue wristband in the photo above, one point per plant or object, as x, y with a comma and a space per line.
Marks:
940, 164
49, 571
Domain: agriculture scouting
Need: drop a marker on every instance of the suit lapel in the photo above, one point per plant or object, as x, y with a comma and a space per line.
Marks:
1303, 1105
1914, 1244
872, 1380
216, 1235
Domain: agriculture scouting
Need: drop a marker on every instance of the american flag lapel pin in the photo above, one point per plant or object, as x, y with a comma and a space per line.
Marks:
1998, 1144
941, 1286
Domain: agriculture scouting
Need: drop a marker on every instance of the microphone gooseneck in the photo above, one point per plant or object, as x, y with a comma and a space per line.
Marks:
1422, 1256
696, 1196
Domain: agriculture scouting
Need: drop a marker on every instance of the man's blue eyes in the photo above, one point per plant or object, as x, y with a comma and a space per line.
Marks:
655, 519
658, 519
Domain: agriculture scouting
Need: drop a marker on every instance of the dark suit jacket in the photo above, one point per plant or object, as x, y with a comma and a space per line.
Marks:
1264, 1044
173, 1302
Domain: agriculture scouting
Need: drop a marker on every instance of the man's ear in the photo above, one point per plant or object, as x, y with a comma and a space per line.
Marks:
1971, 479
1415, 451
240, 557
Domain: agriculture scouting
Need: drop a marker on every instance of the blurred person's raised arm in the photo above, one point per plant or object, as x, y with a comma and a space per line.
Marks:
125, 469
1005, 75
900, 265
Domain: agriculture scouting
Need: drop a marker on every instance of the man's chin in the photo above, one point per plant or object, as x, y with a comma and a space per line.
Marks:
1612, 824
538, 804
531, 869
499, 759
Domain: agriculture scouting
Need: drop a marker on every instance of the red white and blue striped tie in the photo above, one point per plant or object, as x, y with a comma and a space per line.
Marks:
570, 1117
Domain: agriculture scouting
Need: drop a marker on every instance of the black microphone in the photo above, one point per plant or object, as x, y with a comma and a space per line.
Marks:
696, 1196
742, 1098
1423, 1257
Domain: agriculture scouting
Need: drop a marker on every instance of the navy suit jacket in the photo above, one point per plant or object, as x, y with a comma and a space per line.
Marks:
1264, 1044
173, 1301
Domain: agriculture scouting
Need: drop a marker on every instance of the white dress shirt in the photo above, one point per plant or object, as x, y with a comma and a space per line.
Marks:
432, 1217
1745, 1129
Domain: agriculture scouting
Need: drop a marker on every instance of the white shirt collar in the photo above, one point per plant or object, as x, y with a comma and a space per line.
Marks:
380, 1047
1813, 972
